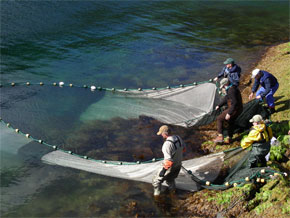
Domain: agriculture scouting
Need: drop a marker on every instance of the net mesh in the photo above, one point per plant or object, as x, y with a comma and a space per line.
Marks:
49, 115
183, 106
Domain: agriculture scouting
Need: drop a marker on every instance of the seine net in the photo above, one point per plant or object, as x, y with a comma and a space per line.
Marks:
51, 116
183, 106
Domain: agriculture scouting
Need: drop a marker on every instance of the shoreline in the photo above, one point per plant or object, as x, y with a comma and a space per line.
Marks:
197, 204
207, 132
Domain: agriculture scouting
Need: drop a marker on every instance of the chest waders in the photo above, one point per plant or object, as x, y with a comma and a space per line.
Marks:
168, 175
259, 151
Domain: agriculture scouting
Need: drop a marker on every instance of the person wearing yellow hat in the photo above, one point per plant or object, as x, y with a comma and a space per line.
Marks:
259, 138
172, 149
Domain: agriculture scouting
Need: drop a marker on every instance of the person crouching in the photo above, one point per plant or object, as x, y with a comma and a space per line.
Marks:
172, 149
259, 138
269, 85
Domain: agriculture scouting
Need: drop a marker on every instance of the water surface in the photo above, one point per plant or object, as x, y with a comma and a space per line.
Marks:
110, 44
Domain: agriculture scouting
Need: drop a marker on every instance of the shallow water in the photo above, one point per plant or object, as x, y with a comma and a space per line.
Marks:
110, 44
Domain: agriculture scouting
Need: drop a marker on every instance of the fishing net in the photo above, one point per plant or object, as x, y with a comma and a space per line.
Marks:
51, 116
183, 106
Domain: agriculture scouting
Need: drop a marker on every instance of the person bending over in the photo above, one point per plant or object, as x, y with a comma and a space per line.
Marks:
269, 85
233, 99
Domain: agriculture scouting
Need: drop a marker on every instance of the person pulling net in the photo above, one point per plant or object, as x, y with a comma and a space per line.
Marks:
42, 108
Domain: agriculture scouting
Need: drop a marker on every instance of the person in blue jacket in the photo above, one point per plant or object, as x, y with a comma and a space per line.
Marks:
269, 85
231, 71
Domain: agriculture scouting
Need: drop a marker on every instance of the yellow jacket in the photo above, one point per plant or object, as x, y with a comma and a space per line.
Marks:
258, 133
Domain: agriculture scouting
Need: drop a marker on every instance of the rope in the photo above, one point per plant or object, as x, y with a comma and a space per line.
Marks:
224, 211
205, 184
55, 147
258, 177
62, 84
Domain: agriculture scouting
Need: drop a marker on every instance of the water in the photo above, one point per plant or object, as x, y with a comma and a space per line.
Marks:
112, 44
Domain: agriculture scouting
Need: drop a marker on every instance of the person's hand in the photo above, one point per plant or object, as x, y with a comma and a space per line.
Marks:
258, 97
251, 95
217, 107
228, 117
215, 79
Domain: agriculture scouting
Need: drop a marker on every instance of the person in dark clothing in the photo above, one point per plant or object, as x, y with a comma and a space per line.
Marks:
269, 85
234, 101
231, 71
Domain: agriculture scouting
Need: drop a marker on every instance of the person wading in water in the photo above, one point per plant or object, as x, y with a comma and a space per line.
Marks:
172, 149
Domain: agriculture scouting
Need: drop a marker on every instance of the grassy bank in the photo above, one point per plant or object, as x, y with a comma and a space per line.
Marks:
276, 61
271, 199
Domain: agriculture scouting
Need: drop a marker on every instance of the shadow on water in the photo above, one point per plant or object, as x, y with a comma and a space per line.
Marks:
125, 140
52, 114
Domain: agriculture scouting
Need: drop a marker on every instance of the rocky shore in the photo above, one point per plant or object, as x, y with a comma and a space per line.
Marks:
271, 199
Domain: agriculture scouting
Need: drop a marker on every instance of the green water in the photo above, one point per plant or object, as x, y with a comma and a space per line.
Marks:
111, 44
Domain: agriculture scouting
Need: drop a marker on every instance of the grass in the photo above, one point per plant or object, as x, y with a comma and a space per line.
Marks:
271, 199
277, 62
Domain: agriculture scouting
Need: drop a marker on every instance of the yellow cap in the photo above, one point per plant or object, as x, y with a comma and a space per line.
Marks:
163, 129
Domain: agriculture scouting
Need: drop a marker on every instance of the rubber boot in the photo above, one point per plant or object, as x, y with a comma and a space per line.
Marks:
171, 186
157, 190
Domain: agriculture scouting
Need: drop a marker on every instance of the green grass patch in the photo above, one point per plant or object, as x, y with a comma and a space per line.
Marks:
262, 207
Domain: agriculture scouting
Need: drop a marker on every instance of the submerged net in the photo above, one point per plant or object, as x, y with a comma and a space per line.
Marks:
205, 168
183, 106
52, 116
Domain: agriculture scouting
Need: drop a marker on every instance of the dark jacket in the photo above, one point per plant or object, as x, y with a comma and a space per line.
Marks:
233, 99
232, 74
267, 80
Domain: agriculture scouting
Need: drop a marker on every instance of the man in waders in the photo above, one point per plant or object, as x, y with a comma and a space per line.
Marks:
231, 71
269, 86
227, 118
259, 138
172, 149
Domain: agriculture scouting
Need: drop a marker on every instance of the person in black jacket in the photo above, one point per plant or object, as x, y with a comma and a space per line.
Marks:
231, 71
234, 101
